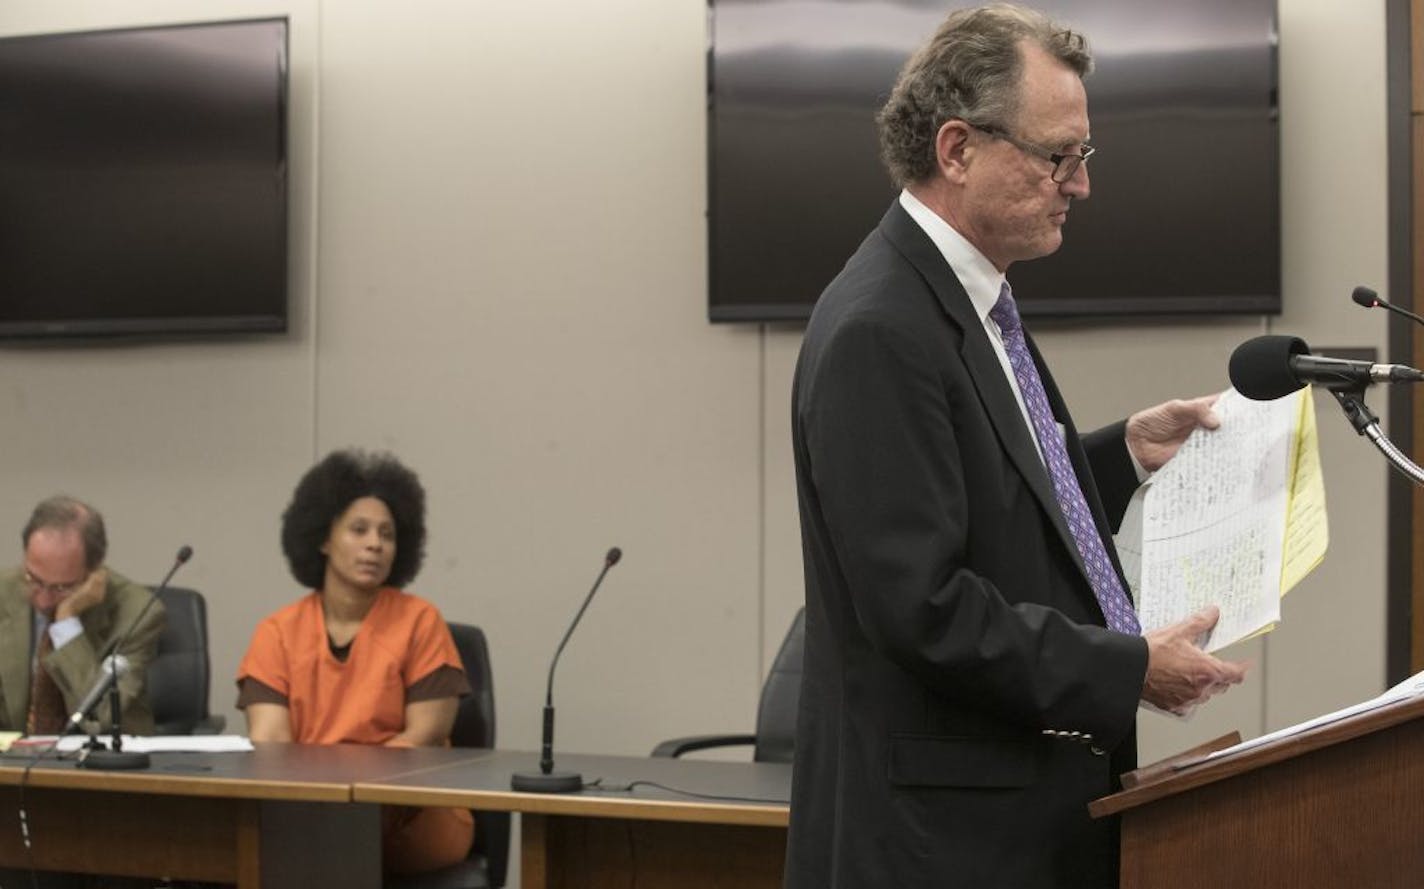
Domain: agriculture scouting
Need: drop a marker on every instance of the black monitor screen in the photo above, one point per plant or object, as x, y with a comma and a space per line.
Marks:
143, 181
1184, 215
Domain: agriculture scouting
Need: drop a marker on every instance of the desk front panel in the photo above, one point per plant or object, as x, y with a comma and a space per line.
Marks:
576, 852
280, 816
726, 830
247, 842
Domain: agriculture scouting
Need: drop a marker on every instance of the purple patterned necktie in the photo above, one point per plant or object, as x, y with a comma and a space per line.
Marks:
1106, 584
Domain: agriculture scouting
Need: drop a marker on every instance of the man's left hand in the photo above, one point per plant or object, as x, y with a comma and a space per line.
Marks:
1154, 435
90, 593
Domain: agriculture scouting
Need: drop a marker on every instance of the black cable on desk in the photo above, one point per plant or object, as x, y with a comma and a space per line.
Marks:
24, 818
597, 784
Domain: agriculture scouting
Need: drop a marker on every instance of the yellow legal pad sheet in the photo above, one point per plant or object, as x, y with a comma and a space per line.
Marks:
1307, 526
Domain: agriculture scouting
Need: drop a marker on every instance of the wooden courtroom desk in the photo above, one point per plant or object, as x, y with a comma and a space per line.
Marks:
647, 837
1338, 804
281, 816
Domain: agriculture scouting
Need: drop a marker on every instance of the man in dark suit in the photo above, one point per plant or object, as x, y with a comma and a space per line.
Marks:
973, 663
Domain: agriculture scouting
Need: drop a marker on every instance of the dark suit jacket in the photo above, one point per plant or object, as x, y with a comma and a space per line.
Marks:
949, 621
75, 667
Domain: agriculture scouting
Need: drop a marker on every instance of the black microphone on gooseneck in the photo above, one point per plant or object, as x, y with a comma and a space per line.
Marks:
185, 553
1269, 367
1366, 297
546, 780
115, 665
114, 668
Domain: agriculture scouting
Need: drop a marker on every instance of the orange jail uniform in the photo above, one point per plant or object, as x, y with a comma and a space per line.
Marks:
403, 652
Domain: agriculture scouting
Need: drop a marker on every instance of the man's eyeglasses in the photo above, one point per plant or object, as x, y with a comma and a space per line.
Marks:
58, 589
1064, 165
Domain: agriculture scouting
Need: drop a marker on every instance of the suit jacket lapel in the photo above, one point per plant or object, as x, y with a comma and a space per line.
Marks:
99, 621
15, 631
999, 401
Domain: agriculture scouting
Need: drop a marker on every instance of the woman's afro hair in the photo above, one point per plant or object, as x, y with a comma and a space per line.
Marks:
328, 490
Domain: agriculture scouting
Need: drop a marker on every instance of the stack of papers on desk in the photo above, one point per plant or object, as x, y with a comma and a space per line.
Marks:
1412, 687
168, 743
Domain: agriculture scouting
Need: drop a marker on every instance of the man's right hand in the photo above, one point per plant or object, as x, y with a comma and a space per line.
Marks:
1179, 674
90, 593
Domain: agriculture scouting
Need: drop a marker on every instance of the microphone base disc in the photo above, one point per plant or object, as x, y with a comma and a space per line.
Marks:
109, 761
554, 782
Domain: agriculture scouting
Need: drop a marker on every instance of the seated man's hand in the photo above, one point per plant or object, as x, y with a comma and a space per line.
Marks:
90, 593
1179, 674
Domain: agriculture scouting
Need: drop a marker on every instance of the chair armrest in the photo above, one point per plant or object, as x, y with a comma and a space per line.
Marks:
678, 746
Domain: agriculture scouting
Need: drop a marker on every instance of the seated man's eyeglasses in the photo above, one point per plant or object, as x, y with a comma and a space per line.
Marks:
58, 589
1064, 165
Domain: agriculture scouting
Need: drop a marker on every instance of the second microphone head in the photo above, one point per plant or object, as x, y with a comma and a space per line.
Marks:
1364, 296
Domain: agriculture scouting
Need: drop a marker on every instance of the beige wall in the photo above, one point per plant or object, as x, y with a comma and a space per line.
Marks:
499, 265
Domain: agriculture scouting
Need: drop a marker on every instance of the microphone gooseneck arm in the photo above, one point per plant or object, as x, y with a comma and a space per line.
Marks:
185, 553
115, 757
549, 689
546, 780
1360, 416
546, 752
1367, 424
115, 648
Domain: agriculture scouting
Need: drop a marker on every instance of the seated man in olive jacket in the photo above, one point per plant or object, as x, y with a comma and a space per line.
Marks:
60, 612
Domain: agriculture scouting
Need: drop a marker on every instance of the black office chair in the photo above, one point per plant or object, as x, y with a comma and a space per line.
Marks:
775, 738
474, 727
178, 675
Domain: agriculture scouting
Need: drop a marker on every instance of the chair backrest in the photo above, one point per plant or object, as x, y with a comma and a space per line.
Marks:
780, 695
474, 721
179, 674
474, 727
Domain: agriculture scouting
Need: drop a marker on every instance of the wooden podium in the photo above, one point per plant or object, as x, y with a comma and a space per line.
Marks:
1341, 804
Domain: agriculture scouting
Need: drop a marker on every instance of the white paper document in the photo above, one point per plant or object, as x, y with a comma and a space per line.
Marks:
1410, 688
168, 743
1233, 520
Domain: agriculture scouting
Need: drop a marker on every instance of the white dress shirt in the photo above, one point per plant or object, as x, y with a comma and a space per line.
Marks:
982, 282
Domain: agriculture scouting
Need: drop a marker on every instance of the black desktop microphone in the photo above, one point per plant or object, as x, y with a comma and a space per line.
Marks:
1269, 367
546, 780
111, 670
116, 758
1366, 297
